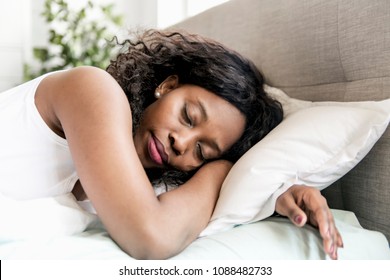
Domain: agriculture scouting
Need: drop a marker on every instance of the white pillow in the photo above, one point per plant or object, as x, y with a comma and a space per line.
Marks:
315, 145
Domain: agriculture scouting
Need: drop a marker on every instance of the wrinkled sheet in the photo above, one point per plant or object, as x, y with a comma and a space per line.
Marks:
58, 228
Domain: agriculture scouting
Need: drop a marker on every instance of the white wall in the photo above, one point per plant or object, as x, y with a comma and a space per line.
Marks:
14, 22
137, 14
170, 12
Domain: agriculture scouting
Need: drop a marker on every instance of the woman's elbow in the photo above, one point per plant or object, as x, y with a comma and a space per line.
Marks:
153, 246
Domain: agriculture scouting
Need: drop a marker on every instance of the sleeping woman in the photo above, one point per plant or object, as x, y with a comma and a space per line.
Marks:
170, 101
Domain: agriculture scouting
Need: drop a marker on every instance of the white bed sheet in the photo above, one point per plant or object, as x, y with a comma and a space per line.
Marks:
58, 228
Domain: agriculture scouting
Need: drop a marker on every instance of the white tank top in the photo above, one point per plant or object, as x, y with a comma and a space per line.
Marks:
34, 161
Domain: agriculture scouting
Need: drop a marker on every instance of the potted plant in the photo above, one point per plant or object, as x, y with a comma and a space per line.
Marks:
77, 37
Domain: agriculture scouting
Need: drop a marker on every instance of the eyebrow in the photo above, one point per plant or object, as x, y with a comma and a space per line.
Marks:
205, 117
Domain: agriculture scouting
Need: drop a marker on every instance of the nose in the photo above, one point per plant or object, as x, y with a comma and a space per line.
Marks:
181, 142
183, 145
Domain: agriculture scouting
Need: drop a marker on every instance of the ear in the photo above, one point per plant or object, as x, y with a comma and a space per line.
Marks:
169, 84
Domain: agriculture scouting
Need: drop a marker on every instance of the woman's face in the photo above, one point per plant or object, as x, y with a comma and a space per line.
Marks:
185, 127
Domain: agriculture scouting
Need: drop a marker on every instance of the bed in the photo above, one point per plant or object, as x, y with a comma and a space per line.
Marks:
312, 53
60, 229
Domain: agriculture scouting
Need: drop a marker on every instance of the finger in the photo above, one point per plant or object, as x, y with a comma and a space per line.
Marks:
322, 217
287, 206
340, 242
332, 239
333, 252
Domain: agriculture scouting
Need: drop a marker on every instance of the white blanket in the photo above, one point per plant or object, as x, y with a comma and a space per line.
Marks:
58, 228
43, 218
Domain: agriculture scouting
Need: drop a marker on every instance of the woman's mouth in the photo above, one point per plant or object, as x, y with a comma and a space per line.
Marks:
156, 151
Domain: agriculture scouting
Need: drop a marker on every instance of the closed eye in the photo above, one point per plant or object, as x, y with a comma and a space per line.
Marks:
190, 122
199, 152
186, 116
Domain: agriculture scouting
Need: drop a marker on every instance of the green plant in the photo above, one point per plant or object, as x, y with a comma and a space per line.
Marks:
76, 37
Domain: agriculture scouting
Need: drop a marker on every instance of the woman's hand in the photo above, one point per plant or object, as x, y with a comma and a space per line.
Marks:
303, 204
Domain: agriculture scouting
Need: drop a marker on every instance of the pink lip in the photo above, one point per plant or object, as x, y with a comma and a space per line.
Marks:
156, 151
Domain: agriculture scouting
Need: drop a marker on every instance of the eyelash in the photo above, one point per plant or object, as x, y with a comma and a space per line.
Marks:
200, 152
187, 118
190, 123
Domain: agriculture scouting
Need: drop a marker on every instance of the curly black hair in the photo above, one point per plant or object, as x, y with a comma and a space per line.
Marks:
151, 56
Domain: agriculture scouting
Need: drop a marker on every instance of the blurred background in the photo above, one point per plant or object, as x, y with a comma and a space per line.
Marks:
38, 36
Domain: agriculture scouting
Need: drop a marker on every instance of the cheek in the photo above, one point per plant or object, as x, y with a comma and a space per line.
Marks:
147, 115
160, 114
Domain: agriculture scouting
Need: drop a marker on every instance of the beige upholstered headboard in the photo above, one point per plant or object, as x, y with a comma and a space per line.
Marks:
320, 50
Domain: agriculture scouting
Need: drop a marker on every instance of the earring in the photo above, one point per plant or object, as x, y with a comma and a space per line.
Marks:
157, 94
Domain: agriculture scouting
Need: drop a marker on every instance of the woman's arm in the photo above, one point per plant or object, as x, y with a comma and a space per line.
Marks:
303, 204
95, 116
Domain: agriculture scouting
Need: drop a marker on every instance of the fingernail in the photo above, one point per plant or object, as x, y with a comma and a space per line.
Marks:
298, 219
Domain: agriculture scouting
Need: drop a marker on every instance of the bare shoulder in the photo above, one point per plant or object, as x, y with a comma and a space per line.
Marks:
87, 72
92, 76
80, 92
84, 80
